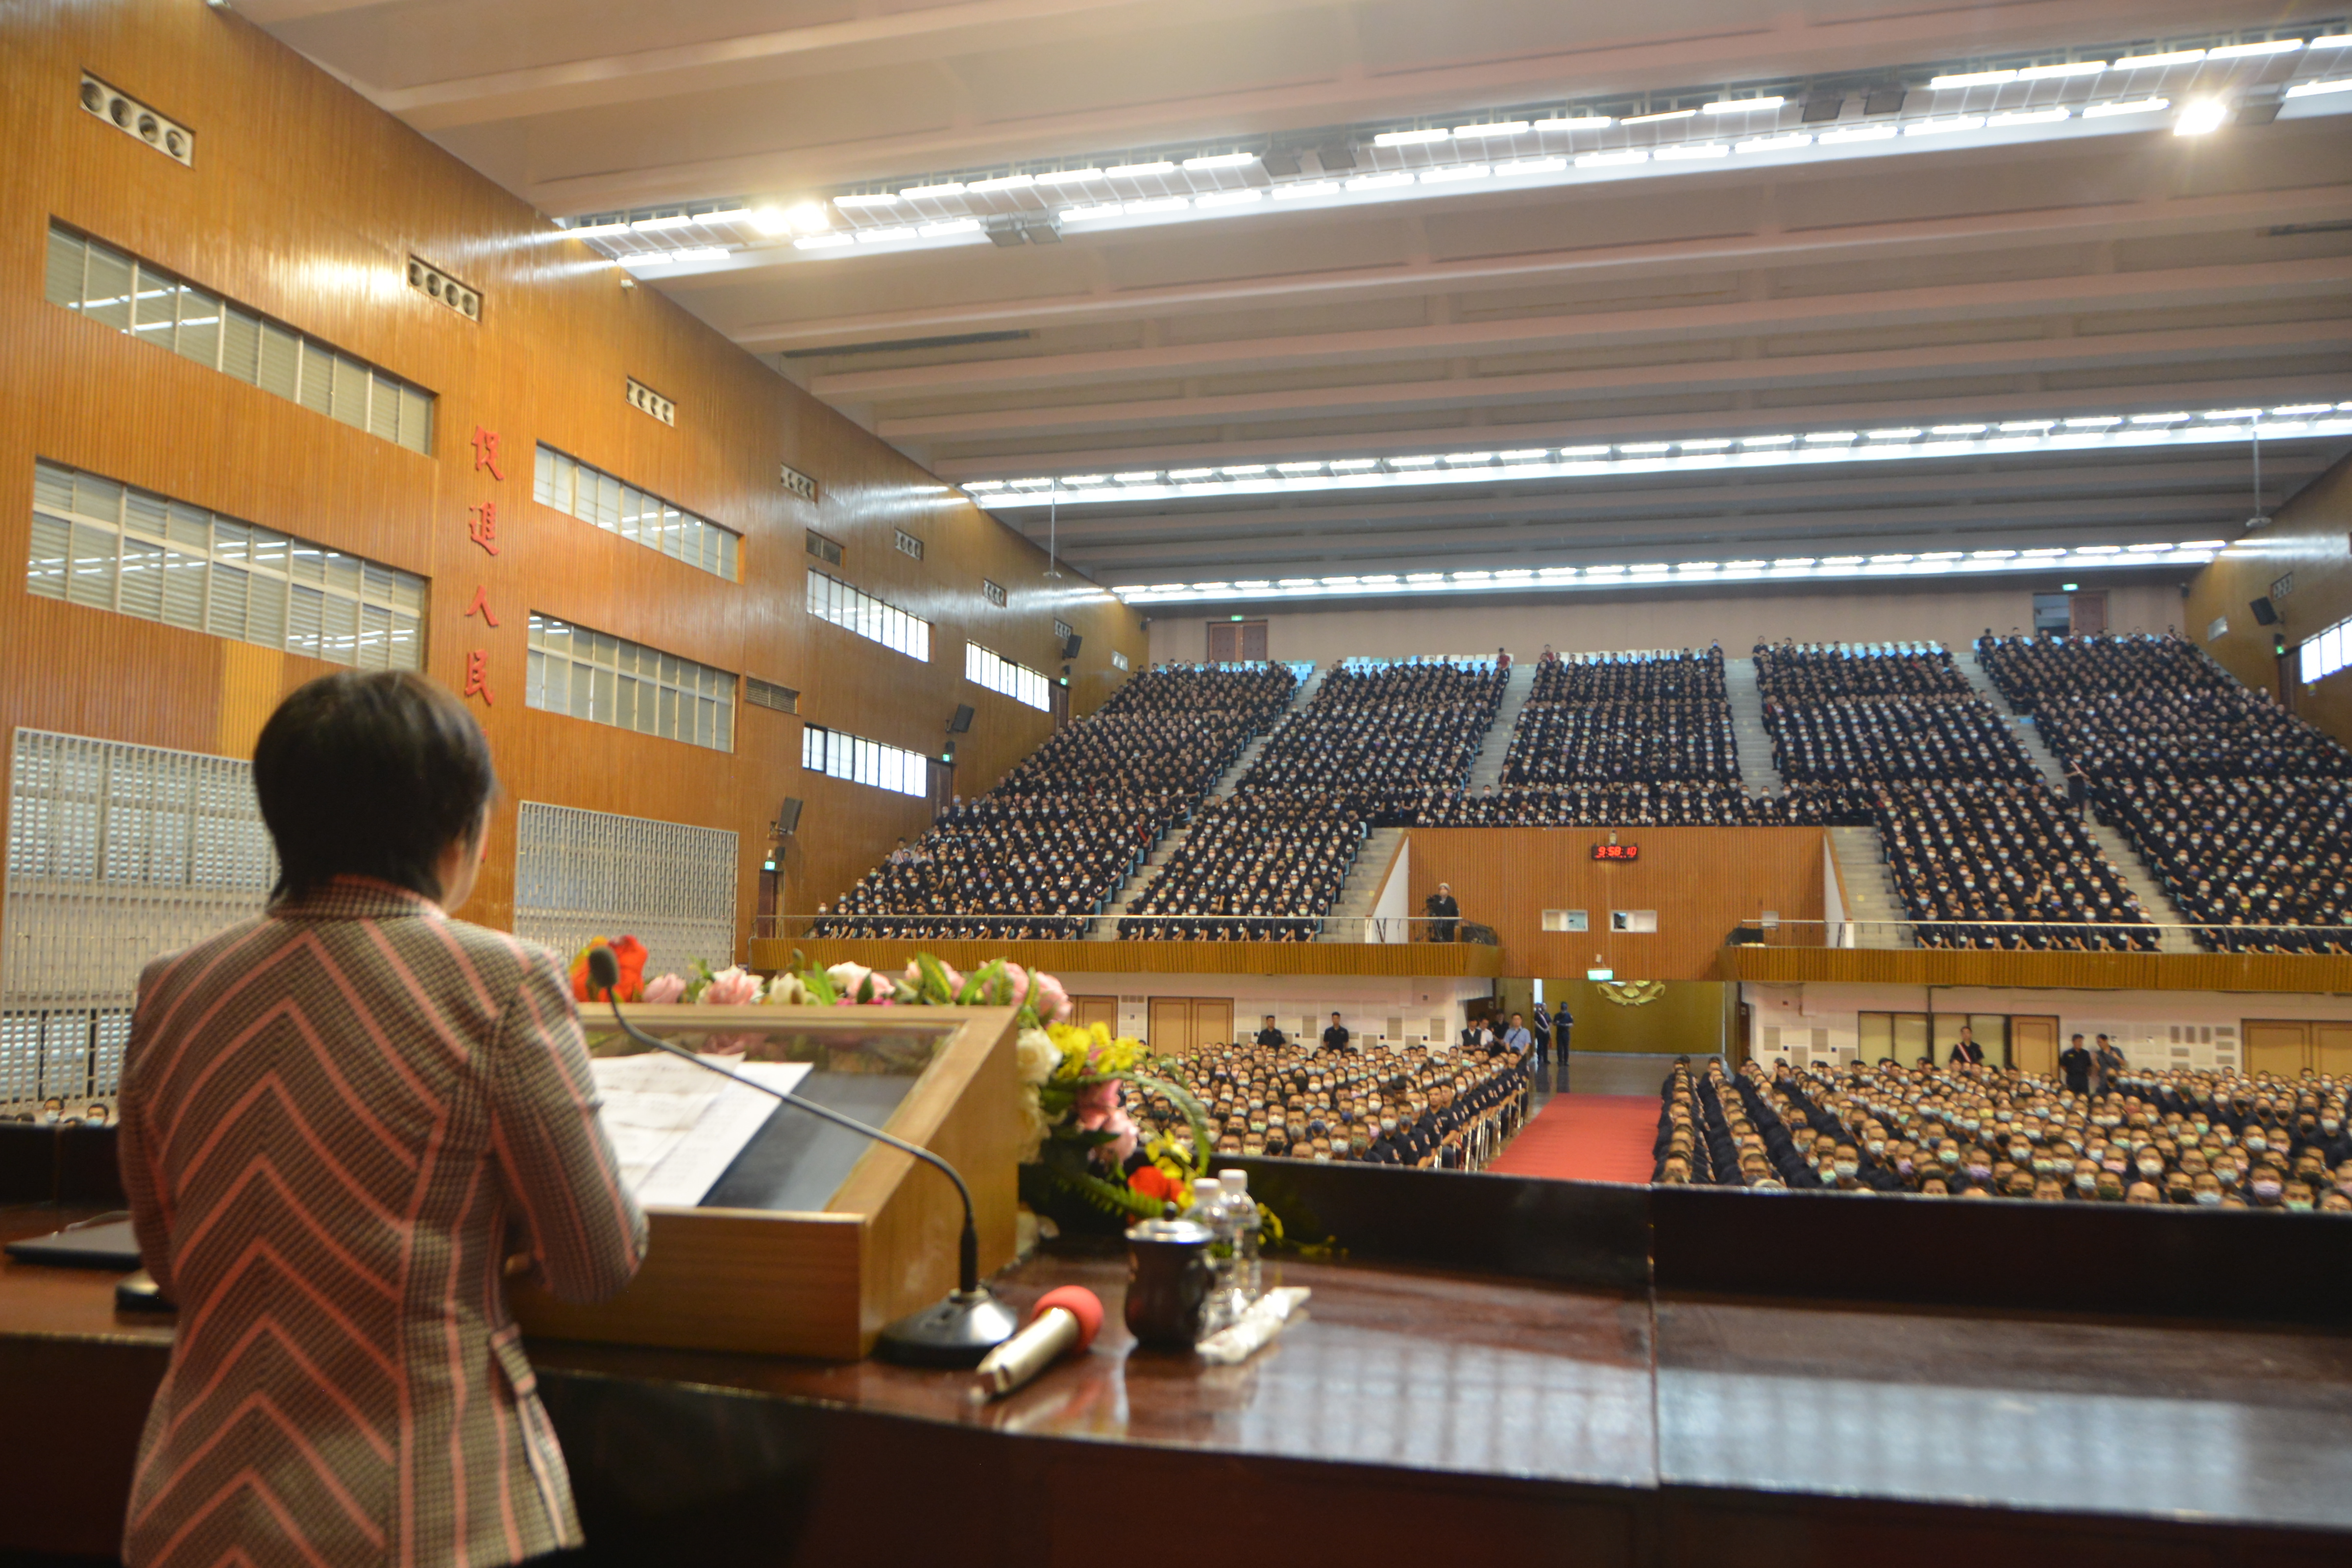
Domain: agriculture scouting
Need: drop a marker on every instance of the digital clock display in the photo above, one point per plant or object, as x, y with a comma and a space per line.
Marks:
1616, 852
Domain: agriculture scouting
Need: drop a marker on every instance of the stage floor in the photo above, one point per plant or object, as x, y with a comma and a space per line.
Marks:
1682, 1419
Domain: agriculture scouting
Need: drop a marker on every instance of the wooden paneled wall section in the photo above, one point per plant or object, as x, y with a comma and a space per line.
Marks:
304, 203
1700, 881
2310, 540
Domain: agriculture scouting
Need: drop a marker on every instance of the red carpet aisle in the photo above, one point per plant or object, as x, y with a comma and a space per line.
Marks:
1586, 1138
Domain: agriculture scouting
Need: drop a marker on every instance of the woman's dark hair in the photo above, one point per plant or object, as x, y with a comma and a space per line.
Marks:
370, 775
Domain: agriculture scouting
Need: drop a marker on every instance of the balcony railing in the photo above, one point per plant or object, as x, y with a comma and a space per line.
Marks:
2031, 936
1001, 926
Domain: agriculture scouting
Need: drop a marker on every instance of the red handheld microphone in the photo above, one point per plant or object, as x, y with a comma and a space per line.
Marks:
1064, 1322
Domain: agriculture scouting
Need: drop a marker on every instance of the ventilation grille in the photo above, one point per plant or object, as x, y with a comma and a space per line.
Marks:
116, 855
646, 400
583, 874
132, 118
767, 694
993, 591
910, 545
434, 284
799, 483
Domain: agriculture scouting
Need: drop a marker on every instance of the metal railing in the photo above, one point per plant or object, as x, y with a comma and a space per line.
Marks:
1768, 930
1105, 926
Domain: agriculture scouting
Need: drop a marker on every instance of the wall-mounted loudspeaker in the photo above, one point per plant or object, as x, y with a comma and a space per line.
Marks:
960, 722
788, 816
2265, 612
1070, 648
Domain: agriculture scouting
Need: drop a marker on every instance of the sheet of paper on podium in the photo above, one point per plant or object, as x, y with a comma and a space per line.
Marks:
676, 1128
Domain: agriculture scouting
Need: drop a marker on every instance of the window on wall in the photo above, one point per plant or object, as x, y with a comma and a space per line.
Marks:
843, 756
825, 549
998, 673
119, 290
115, 547
853, 609
612, 681
2330, 651
593, 496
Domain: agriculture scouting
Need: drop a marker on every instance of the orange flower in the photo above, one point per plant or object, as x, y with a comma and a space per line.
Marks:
630, 951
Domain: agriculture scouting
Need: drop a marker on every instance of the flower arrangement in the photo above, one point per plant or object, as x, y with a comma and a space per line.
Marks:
1078, 1141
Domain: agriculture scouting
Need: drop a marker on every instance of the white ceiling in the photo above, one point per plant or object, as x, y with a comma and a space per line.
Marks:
2126, 272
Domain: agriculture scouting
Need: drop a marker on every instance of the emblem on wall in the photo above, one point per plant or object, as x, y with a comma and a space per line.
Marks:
1633, 993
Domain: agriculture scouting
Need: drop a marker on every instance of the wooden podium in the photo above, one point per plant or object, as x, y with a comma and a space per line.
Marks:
815, 1238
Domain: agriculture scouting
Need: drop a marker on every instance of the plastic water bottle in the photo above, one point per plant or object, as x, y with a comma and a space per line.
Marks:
1208, 1208
1241, 1212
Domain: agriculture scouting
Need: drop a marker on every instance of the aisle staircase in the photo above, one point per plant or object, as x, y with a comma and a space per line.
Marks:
1754, 742
2046, 762
1105, 926
1354, 903
2136, 876
2153, 899
1487, 767
1870, 892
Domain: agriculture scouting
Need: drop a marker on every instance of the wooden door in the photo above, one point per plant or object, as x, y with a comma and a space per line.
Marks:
1093, 1010
1171, 1025
2089, 614
1224, 642
2276, 1046
1213, 1020
1254, 641
2331, 1048
2034, 1044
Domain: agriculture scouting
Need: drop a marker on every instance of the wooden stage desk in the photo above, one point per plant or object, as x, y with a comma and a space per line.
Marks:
1419, 1410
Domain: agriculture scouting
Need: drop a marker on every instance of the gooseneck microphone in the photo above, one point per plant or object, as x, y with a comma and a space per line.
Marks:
956, 1332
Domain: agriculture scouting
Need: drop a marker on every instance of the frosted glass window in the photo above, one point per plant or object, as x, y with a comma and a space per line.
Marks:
114, 547
612, 681
830, 599
149, 303
860, 760
999, 673
571, 486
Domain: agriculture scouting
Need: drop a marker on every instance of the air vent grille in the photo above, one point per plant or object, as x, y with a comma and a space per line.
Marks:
134, 119
434, 284
646, 400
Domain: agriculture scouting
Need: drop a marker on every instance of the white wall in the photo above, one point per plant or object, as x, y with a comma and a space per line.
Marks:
1597, 622
1407, 1009
2153, 1028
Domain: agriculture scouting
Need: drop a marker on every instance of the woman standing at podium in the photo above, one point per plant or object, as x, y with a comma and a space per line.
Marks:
331, 1118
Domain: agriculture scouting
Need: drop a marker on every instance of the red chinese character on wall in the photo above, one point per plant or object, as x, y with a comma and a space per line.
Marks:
486, 452
484, 529
477, 676
481, 606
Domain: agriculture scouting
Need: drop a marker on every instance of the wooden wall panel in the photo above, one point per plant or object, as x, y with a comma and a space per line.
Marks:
305, 204
2294, 971
2311, 540
1702, 881
1433, 960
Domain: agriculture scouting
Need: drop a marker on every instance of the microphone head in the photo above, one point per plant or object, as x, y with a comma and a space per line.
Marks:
604, 969
1080, 1303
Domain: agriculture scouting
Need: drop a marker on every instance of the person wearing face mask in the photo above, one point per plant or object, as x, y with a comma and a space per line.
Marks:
2205, 1189
2108, 1066
2077, 1064
2177, 1189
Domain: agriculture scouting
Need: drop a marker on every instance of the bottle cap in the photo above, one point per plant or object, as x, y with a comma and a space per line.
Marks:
1235, 1182
1207, 1187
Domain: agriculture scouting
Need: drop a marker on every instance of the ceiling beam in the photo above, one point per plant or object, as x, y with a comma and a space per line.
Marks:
1788, 44
2219, 392
2324, 278
2036, 356
1972, 233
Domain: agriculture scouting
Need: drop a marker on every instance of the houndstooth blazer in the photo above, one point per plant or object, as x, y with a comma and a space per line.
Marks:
331, 1117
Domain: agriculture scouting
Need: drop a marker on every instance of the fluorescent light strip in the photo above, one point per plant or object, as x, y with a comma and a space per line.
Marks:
2022, 436
1742, 105
2314, 88
2129, 105
1606, 574
1661, 117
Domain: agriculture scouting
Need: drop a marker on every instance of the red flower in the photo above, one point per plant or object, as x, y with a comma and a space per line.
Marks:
630, 951
1151, 1182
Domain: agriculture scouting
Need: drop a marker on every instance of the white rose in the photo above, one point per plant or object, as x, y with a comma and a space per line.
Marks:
1034, 1127
1037, 1056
